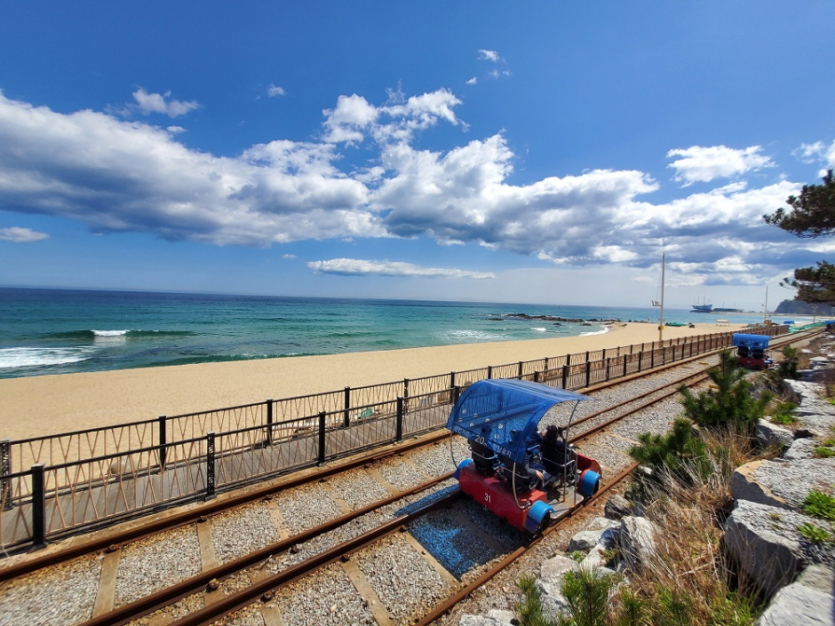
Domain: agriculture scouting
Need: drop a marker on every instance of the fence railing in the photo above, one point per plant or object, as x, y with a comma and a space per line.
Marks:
91, 477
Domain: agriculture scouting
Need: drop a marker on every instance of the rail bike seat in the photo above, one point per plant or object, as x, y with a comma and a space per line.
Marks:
485, 460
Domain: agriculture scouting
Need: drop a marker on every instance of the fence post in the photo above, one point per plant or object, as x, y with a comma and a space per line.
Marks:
162, 439
624, 364
565, 376
521, 367
6, 468
536, 376
270, 422
489, 372
398, 435
640, 360
546, 363
652, 356
346, 416
321, 438
451, 380
405, 387
607, 369
588, 372
456, 393
210, 465
38, 506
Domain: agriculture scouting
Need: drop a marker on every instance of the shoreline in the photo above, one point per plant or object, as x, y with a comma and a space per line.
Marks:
43, 405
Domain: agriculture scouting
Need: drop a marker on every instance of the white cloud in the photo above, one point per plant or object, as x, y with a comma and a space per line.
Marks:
17, 234
116, 175
147, 103
489, 55
704, 164
817, 152
288, 256
360, 267
472, 81
275, 91
175, 130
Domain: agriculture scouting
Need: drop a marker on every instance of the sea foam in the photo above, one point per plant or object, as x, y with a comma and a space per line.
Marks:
109, 333
13, 358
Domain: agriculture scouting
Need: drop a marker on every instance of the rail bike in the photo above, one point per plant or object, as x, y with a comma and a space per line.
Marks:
515, 471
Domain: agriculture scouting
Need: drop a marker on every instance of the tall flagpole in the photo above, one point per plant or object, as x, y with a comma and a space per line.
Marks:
661, 316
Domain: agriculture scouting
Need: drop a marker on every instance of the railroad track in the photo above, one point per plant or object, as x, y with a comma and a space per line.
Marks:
256, 567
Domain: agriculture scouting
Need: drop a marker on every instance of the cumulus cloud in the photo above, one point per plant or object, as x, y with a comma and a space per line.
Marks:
704, 164
472, 81
117, 175
489, 55
16, 234
147, 103
360, 267
274, 91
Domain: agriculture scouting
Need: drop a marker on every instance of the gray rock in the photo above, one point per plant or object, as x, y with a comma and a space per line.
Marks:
781, 483
602, 523
596, 558
801, 449
809, 601
506, 617
480, 620
550, 585
769, 435
637, 540
617, 507
585, 540
764, 541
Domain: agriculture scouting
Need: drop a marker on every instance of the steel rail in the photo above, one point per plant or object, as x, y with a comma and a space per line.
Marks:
166, 597
245, 597
516, 554
122, 538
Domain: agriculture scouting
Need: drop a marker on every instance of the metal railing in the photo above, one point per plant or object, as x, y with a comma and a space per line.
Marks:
88, 478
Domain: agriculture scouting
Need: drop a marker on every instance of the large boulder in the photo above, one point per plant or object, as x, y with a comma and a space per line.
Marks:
809, 601
765, 543
550, 581
781, 483
637, 541
801, 449
770, 435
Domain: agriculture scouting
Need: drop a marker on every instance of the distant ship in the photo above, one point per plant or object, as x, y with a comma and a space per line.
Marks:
723, 310
702, 308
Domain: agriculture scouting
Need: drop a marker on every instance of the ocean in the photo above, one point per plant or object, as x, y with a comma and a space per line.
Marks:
52, 331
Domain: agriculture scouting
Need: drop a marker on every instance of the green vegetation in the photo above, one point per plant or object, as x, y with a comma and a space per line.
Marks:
729, 402
819, 504
783, 413
814, 534
530, 608
587, 593
812, 215
823, 452
787, 368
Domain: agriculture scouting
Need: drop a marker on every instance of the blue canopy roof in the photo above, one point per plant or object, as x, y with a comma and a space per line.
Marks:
504, 414
759, 342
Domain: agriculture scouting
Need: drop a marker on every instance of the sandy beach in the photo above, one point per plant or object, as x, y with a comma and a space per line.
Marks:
45, 405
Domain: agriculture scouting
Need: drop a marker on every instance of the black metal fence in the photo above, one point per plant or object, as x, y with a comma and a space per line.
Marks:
50, 486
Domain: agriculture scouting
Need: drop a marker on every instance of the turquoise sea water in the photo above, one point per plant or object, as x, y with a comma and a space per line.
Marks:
46, 331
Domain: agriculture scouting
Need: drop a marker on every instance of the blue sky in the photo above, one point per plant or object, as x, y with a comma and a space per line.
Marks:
544, 153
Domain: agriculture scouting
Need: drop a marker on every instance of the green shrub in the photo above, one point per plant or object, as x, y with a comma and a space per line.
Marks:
819, 504
822, 452
587, 594
788, 366
529, 608
729, 403
677, 453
